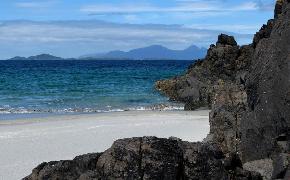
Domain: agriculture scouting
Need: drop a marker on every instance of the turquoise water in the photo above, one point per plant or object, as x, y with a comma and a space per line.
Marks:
83, 86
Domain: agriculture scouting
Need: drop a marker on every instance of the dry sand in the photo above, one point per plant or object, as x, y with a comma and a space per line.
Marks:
26, 143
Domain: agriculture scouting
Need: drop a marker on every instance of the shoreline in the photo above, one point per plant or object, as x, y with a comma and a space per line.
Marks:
28, 114
26, 143
14, 118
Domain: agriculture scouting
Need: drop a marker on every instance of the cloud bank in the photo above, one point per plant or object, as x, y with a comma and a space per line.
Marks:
75, 38
181, 6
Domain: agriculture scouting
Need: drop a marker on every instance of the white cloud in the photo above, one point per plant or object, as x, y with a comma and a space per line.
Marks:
130, 9
74, 38
35, 4
184, 6
238, 28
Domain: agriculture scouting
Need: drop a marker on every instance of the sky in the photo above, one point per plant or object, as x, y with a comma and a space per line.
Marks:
72, 28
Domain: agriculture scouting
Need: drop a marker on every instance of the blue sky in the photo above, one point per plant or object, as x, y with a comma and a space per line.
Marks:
71, 28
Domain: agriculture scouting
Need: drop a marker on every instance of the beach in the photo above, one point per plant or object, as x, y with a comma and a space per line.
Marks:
26, 143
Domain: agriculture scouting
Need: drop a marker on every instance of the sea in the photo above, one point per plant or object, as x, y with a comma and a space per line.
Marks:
34, 88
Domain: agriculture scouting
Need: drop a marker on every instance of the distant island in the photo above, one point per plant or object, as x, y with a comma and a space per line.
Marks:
154, 52
38, 57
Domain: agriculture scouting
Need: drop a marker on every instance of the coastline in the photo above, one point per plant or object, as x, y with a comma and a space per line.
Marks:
24, 143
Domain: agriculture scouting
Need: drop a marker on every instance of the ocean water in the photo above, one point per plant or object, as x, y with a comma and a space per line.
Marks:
31, 87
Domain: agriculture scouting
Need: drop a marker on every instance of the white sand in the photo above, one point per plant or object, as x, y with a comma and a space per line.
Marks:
26, 143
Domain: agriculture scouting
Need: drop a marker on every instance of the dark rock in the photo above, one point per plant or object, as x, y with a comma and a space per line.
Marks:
262, 166
203, 161
226, 40
225, 118
232, 162
241, 174
65, 170
268, 114
264, 32
249, 91
144, 158
278, 8
195, 88
281, 164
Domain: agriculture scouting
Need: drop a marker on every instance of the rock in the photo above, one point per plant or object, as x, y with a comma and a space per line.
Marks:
225, 118
264, 32
195, 88
226, 40
263, 166
232, 162
203, 161
65, 170
190, 90
278, 8
144, 158
281, 164
249, 90
267, 84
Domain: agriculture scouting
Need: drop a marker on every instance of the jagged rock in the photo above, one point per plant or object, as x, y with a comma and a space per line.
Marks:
244, 59
189, 89
225, 60
250, 98
264, 32
226, 40
145, 158
65, 170
263, 69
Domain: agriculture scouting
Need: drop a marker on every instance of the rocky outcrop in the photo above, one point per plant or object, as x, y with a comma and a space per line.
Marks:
249, 96
148, 158
225, 60
248, 89
70, 169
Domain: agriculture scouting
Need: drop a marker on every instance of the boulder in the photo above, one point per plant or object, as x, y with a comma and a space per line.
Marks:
146, 158
227, 40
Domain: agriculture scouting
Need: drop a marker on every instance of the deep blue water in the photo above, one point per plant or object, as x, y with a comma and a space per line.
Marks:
82, 86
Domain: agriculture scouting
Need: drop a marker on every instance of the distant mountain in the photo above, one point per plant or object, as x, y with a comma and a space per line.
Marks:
155, 52
38, 57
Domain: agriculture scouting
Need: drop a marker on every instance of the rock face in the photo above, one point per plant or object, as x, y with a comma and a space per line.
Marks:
268, 90
224, 61
248, 89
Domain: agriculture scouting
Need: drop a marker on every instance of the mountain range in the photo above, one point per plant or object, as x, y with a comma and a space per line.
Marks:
154, 52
